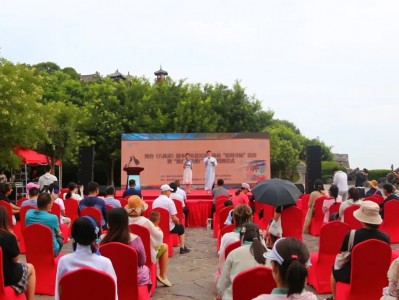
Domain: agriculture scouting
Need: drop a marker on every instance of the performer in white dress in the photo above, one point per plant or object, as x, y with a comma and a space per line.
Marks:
210, 165
187, 172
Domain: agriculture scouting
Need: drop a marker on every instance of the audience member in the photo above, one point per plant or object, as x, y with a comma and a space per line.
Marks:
391, 292
219, 190
368, 215
229, 219
334, 198
240, 196
159, 250
21, 276
93, 201
46, 179
118, 225
318, 191
33, 193
54, 191
132, 190
353, 198
360, 180
249, 255
85, 252
165, 202
183, 193
109, 197
274, 230
242, 214
373, 189
72, 192
389, 192
341, 180
290, 259
43, 216
5, 192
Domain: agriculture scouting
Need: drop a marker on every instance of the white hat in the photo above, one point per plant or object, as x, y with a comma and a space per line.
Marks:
246, 186
368, 212
166, 187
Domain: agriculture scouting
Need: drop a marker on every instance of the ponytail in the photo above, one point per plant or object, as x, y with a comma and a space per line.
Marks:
238, 192
257, 249
295, 277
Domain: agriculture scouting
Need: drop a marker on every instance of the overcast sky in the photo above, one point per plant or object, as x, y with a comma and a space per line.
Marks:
330, 67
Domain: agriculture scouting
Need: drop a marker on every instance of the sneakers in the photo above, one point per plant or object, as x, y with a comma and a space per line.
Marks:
164, 281
184, 250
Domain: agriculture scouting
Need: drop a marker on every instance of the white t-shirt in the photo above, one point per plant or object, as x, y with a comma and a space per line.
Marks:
164, 202
177, 197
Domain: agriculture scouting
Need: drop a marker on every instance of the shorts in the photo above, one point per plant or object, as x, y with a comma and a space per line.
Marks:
179, 229
22, 284
343, 274
160, 250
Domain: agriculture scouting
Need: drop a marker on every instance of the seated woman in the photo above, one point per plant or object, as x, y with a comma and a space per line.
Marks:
72, 192
118, 224
159, 250
20, 276
353, 198
368, 215
249, 255
289, 258
5, 192
242, 214
85, 252
334, 198
318, 191
240, 196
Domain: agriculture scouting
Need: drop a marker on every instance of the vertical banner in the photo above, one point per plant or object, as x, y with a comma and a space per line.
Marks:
241, 157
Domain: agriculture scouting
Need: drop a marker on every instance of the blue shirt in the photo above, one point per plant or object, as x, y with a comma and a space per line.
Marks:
96, 202
47, 219
30, 202
112, 201
131, 192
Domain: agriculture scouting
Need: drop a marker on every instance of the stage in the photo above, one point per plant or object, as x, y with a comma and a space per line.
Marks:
199, 204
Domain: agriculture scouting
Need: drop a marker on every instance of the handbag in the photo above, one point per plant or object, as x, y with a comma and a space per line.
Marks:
275, 228
344, 257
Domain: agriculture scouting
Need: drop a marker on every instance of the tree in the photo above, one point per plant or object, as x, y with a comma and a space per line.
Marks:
20, 115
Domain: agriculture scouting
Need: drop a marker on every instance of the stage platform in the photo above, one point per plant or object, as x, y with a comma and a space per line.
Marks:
199, 204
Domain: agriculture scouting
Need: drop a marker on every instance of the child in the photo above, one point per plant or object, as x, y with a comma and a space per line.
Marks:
229, 219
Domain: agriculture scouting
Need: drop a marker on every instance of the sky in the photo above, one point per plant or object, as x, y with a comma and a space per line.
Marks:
330, 67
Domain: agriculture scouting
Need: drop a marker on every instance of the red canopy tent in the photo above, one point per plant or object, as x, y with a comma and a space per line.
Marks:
33, 158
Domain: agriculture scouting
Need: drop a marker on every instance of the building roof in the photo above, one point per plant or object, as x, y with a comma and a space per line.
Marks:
89, 77
117, 74
160, 72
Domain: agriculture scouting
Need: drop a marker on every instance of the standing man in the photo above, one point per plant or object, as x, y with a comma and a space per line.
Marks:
360, 180
210, 165
46, 179
341, 180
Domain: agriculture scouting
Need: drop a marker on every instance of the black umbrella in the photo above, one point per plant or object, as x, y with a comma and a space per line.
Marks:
276, 192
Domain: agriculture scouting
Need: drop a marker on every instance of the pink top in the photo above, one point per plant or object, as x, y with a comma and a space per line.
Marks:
241, 198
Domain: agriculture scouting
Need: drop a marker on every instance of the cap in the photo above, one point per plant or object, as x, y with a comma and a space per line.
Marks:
166, 187
246, 186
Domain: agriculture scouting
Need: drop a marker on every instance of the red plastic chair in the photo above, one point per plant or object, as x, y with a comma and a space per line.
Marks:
370, 262
20, 200
144, 233
164, 225
225, 229
350, 219
375, 198
71, 209
318, 216
7, 292
40, 253
180, 215
56, 210
253, 282
231, 247
223, 214
331, 237
125, 262
219, 205
390, 224
22, 216
292, 222
304, 205
73, 285
109, 207
94, 213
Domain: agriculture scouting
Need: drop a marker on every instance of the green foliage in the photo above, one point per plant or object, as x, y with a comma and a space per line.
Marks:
20, 115
378, 173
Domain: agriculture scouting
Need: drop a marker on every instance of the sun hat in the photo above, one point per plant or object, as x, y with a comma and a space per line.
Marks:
246, 186
273, 254
373, 184
135, 205
368, 212
32, 185
166, 187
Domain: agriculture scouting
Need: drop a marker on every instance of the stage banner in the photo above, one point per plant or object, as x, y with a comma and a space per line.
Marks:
241, 157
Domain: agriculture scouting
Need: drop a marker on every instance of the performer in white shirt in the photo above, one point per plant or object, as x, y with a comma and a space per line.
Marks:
210, 166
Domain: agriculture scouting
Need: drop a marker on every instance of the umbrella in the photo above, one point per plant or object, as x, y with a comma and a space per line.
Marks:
276, 192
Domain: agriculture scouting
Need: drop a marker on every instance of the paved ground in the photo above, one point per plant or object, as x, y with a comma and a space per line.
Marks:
192, 274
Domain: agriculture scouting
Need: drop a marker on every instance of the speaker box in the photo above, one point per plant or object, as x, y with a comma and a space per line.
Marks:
86, 165
313, 166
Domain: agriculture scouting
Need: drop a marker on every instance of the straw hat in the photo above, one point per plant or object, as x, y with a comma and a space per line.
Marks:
135, 205
373, 184
368, 212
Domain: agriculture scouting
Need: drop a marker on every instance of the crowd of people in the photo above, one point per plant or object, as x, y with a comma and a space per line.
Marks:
288, 258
